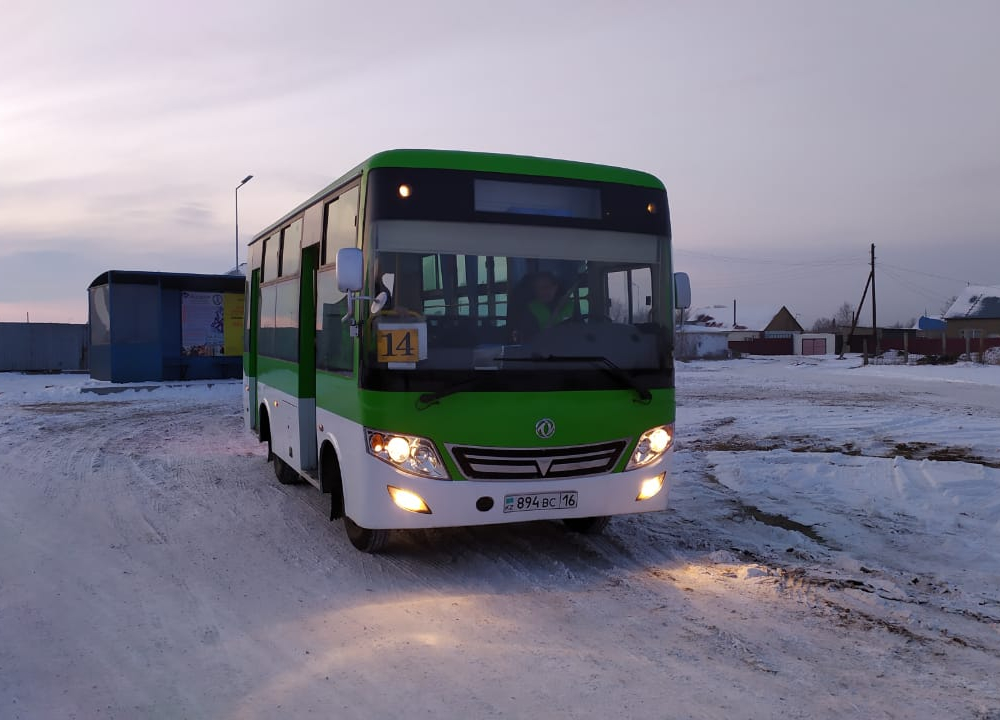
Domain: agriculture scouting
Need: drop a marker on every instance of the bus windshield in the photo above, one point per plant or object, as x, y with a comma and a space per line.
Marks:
523, 299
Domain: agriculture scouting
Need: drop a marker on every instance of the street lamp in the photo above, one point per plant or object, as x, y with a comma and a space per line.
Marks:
243, 182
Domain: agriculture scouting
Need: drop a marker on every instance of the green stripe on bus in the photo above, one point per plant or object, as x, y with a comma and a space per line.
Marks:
512, 164
499, 419
282, 375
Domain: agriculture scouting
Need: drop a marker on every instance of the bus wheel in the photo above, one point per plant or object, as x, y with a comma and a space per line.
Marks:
588, 525
365, 540
285, 474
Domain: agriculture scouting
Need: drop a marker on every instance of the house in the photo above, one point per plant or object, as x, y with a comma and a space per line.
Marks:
747, 322
754, 330
975, 313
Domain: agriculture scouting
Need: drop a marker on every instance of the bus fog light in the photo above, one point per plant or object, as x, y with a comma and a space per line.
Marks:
407, 500
650, 487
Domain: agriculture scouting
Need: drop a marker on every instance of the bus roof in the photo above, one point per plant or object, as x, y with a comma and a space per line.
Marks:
483, 162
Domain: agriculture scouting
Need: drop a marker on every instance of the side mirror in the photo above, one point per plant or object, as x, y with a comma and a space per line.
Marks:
350, 270
682, 290
380, 301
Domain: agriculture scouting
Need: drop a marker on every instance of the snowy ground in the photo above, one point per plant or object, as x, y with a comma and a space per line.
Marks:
832, 550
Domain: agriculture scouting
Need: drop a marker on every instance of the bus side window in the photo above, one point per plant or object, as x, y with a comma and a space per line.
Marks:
272, 255
334, 345
341, 224
291, 248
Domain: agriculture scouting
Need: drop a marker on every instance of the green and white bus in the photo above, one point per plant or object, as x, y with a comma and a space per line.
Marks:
452, 338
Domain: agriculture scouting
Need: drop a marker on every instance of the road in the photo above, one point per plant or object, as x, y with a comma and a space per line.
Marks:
154, 568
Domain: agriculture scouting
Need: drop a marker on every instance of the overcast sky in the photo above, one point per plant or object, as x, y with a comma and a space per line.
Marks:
790, 135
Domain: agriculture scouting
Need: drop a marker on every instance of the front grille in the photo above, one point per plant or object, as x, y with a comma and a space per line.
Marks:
487, 463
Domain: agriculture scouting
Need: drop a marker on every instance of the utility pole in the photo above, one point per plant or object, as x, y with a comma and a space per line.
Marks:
878, 349
236, 203
870, 283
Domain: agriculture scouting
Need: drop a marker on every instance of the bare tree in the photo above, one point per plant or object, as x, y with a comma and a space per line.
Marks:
844, 316
825, 325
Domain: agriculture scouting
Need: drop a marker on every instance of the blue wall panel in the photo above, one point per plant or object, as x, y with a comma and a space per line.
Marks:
100, 362
170, 334
135, 362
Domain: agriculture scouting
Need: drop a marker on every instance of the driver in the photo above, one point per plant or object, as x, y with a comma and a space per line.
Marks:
548, 306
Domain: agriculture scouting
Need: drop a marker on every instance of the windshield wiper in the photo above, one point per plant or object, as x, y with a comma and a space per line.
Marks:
609, 367
431, 398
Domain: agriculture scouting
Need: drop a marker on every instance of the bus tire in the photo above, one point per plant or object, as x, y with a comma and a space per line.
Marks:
331, 480
264, 429
588, 525
365, 540
284, 472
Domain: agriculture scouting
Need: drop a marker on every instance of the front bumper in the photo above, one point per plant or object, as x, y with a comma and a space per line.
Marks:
460, 502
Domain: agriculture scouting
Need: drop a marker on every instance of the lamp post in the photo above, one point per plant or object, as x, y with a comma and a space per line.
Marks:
243, 182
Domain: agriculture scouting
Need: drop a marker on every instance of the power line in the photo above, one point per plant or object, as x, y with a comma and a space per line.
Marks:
759, 260
933, 275
926, 294
759, 280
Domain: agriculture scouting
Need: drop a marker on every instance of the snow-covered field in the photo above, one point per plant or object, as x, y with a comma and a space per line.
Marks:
832, 550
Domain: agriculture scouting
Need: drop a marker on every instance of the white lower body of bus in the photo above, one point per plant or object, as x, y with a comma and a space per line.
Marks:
451, 503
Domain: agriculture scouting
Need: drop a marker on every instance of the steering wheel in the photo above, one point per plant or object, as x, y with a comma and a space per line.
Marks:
586, 319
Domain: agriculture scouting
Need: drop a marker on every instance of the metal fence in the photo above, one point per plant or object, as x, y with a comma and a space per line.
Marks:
43, 347
764, 346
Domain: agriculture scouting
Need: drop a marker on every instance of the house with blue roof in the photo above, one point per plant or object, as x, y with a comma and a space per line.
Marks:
975, 313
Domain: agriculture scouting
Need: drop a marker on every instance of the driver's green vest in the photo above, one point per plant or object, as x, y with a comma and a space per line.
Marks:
546, 316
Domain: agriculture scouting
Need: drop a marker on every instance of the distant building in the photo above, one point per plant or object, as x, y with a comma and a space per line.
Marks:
930, 327
698, 341
746, 322
750, 329
975, 313
165, 326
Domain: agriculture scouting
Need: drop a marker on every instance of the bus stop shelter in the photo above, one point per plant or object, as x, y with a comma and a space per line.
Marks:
165, 326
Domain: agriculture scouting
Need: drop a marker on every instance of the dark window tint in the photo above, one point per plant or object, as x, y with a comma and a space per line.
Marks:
291, 249
334, 345
286, 321
272, 254
341, 224
265, 340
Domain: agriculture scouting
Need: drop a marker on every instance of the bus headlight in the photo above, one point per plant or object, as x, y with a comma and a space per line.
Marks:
651, 446
413, 455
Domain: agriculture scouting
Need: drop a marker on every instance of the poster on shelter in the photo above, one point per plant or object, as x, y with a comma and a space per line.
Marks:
232, 305
202, 324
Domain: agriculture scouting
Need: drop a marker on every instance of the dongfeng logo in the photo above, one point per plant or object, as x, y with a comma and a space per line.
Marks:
545, 428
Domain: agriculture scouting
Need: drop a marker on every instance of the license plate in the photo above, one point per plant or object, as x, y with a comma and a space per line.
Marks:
540, 501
